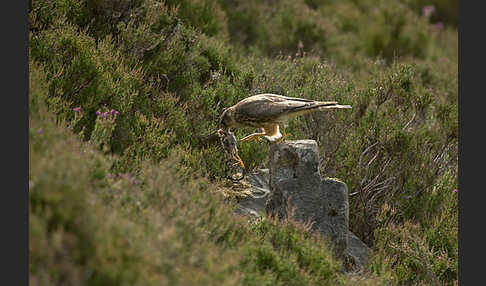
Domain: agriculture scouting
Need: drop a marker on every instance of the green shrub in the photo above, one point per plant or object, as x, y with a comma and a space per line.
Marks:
426, 252
206, 15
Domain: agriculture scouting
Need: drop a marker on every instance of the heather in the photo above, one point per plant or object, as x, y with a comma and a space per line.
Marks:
126, 178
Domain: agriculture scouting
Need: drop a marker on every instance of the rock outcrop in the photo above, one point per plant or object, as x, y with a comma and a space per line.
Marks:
254, 204
294, 181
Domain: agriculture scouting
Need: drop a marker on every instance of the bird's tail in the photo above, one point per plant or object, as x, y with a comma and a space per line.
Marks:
320, 105
317, 106
335, 105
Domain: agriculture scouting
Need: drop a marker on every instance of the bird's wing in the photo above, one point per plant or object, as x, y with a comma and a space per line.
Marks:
269, 107
281, 98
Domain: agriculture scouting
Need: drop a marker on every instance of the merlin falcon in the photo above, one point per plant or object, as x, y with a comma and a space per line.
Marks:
269, 112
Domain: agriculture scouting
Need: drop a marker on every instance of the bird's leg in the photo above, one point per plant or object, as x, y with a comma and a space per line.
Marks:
253, 136
284, 135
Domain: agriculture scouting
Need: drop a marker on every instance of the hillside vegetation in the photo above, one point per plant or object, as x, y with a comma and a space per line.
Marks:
127, 183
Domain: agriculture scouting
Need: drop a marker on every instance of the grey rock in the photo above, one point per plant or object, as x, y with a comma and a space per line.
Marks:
254, 204
295, 182
357, 253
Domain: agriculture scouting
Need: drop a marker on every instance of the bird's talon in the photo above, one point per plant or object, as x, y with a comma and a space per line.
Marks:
281, 139
239, 164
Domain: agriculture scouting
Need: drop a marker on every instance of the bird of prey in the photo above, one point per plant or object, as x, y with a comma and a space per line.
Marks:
268, 112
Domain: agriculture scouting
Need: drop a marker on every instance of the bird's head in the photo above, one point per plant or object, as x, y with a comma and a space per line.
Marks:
226, 120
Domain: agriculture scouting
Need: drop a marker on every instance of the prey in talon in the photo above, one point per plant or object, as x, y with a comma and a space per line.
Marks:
228, 142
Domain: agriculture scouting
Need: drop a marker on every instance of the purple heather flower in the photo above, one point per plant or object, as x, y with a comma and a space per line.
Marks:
438, 27
456, 190
113, 112
428, 10
77, 109
39, 131
117, 113
98, 113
